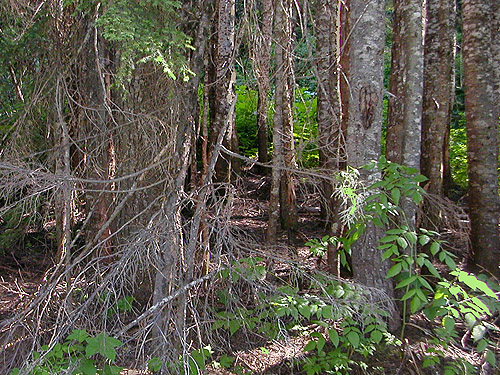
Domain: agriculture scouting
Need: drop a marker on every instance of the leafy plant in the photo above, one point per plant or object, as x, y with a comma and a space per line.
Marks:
464, 298
78, 354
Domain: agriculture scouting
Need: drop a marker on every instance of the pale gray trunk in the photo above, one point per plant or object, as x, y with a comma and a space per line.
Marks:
363, 68
439, 89
482, 133
404, 116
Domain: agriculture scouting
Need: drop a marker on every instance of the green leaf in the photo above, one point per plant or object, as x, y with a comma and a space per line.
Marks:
402, 242
311, 345
481, 345
79, 335
450, 263
154, 364
227, 361
395, 194
409, 294
416, 197
102, 344
406, 281
321, 343
353, 338
424, 283
415, 304
376, 336
234, 325
491, 358
424, 239
434, 248
389, 238
449, 323
478, 332
305, 310
395, 231
334, 337
87, 367
394, 270
411, 237
420, 178
431, 268
327, 312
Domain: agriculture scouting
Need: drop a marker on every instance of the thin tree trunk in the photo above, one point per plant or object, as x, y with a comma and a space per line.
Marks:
364, 74
282, 197
404, 117
482, 134
223, 95
438, 93
261, 62
64, 167
286, 77
330, 132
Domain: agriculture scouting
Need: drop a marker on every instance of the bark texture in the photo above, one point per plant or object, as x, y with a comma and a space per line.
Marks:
282, 185
482, 133
331, 135
404, 115
439, 88
363, 70
223, 96
261, 62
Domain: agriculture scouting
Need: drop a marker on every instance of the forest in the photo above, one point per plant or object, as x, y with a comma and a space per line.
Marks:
249, 187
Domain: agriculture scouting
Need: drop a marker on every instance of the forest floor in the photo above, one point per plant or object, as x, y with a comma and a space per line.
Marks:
22, 272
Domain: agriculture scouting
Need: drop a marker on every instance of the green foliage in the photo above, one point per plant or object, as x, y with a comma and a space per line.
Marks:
246, 120
13, 227
78, 354
305, 124
306, 128
359, 330
463, 299
458, 156
147, 30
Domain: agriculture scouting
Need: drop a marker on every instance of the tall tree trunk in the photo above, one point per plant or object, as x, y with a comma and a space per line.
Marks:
404, 117
482, 133
261, 61
223, 97
330, 132
439, 89
282, 200
363, 68
101, 157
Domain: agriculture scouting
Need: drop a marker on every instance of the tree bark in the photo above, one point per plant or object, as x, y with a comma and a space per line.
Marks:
439, 91
404, 117
282, 197
482, 133
330, 132
223, 97
363, 68
261, 62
